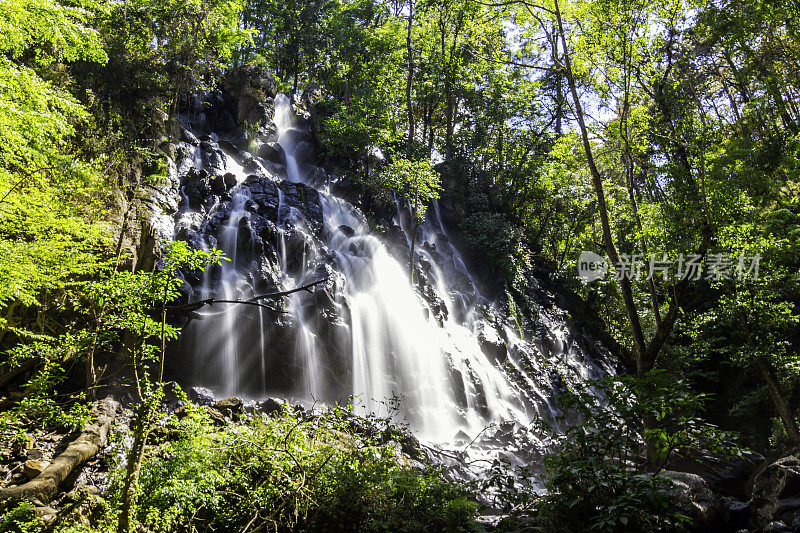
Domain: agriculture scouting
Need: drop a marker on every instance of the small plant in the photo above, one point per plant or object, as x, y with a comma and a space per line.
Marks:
417, 183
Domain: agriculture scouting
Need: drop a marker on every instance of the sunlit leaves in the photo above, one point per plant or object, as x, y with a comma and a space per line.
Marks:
55, 31
45, 191
415, 181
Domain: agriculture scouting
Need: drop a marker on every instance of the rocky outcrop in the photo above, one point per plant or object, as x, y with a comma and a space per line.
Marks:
250, 91
693, 498
738, 494
776, 495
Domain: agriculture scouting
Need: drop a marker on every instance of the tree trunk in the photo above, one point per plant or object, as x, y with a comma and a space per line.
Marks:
559, 91
19, 370
410, 78
414, 229
779, 399
449, 120
133, 467
639, 349
91, 440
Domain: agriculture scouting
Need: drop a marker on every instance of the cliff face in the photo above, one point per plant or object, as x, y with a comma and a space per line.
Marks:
444, 354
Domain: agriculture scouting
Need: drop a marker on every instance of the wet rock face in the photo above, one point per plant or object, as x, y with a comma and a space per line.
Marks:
492, 345
271, 228
272, 152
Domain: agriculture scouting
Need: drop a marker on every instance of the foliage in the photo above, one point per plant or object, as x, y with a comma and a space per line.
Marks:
46, 190
414, 181
133, 301
159, 288
310, 473
496, 237
50, 199
596, 480
596, 474
289, 471
39, 408
157, 53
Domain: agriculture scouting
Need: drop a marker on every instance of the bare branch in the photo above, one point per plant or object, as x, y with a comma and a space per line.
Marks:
194, 306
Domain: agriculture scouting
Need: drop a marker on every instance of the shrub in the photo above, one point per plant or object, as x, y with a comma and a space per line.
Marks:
599, 478
597, 475
495, 237
311, 473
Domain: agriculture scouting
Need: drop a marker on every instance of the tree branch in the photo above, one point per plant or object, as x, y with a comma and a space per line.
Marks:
194, 306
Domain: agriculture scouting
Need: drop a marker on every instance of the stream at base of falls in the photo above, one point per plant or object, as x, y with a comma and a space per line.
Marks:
438, 354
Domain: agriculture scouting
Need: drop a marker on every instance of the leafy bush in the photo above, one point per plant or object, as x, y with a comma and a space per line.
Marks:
289, 471
495, 237
598, 479
597, 476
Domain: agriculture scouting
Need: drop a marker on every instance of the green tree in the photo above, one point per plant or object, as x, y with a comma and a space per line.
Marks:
129, 300
418, 184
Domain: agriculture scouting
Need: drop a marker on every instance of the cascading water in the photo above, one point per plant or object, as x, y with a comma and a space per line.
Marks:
439, 346
398, 347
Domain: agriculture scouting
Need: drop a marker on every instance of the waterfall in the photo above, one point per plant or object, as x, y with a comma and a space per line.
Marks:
451, 358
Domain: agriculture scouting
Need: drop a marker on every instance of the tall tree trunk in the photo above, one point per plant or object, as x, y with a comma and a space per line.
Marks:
410, 78
501, 149
424, 133
559, 89
449, 120
414, 229
639, 350
644, 355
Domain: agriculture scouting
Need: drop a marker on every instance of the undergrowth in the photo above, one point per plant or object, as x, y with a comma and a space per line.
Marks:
287, 471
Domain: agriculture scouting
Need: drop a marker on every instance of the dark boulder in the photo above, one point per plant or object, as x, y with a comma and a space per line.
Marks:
213, 158
221, 183
491, 344
270, 406
250, 91
196, 186
272, 152
317, 177
303, 198
223, 121
728, 475
236, 149
201, 395
253, 167
188, 137
304, 152
692, 497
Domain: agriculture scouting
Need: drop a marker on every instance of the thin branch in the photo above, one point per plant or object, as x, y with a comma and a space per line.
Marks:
194, 306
